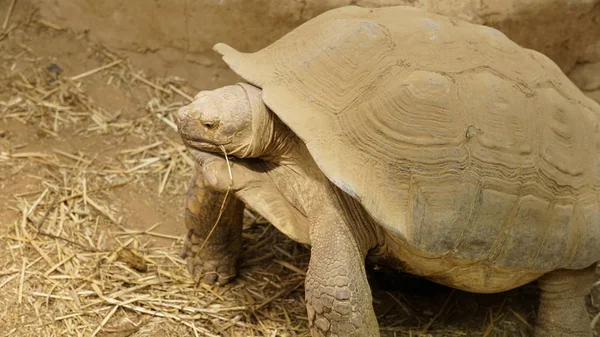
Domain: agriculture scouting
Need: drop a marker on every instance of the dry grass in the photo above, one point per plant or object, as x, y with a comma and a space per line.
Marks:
71, 266
67, 280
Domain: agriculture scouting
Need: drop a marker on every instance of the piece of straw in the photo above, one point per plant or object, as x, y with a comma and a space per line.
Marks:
8, 14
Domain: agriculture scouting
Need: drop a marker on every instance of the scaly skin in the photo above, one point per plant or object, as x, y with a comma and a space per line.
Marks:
338, 296
562, 310
217, 261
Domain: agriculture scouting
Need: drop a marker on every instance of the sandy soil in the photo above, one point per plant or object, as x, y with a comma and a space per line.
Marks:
82, 162
175, 37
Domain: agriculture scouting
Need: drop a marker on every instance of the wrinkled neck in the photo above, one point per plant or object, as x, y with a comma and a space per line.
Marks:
270, 139
263, 131
282, 142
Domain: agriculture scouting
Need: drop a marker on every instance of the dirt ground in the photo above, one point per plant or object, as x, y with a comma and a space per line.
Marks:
92, 176
175, 37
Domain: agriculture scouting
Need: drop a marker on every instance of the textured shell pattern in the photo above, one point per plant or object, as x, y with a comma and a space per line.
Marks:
454, 138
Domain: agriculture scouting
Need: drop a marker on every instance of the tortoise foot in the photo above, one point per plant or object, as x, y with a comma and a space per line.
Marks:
213, 263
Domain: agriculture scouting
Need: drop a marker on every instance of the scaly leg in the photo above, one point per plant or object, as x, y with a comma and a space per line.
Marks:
338, 296
562, 311
217, 261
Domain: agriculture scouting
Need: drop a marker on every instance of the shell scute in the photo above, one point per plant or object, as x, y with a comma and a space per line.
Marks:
443, 218
552, 249
521, 237
411, 109
587, 234
333, 82
565, 143
505, 122
480, 236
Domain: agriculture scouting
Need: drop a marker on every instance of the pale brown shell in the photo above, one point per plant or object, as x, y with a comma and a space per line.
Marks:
454, 138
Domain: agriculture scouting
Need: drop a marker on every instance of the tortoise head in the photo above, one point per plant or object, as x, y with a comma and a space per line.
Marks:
234, 117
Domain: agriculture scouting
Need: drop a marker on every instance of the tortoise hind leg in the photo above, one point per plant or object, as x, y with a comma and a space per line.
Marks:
562, 310
217, 261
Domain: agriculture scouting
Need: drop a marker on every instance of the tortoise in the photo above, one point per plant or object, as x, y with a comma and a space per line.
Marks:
439, 147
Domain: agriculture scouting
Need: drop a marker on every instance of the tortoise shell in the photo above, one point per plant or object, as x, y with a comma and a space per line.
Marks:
454, 138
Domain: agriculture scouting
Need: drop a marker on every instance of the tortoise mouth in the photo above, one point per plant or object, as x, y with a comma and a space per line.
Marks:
202, 144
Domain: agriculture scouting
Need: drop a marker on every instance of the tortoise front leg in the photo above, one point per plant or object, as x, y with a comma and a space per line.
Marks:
562, 311
338, 296
217, 261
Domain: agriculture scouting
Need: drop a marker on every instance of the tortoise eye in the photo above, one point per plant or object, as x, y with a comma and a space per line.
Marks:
210, 125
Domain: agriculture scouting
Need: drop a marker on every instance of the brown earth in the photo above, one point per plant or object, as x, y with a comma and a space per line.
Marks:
79, 148
175, 37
